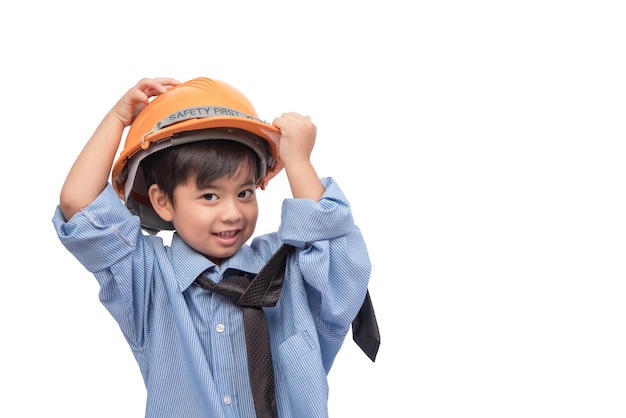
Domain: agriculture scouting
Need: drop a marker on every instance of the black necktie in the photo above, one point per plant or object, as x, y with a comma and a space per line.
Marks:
365, 328
251, 293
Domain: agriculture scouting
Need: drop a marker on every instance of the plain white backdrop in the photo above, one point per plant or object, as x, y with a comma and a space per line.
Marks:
481, 145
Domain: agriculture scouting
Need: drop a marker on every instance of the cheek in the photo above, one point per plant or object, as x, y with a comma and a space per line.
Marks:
192, 214
252, 213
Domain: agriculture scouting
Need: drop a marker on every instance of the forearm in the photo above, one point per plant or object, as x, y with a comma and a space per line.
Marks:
90, 172
303, 180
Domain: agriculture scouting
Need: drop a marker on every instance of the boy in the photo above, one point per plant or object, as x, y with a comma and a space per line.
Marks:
193, 157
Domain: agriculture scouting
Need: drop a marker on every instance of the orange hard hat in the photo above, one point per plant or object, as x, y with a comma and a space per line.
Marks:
197, 110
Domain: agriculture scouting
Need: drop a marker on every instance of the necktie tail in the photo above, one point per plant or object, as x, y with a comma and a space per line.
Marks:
365, 331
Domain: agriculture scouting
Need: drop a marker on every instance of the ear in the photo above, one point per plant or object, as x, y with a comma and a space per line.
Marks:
160, 202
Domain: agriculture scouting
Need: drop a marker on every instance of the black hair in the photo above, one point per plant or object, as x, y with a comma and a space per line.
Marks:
208, 160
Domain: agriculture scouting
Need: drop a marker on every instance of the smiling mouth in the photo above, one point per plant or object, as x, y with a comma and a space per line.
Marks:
228, 234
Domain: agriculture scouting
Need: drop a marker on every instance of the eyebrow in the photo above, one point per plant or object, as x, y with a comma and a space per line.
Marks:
250, 182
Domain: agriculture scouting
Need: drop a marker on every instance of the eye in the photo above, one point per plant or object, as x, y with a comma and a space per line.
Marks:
209, 196
246, 193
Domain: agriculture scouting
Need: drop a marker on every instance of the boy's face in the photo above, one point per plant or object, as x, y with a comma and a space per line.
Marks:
217, 220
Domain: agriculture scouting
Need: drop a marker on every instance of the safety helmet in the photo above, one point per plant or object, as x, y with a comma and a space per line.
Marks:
197, 110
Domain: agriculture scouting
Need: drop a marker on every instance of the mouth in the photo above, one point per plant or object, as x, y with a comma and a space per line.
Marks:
226, 234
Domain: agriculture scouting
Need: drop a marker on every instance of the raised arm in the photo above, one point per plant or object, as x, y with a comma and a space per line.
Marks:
296, 144
90, 172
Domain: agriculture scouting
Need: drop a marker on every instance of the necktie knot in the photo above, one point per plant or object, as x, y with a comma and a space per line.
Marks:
246, 289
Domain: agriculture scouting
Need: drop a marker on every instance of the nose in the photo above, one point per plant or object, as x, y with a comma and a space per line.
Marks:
230, 211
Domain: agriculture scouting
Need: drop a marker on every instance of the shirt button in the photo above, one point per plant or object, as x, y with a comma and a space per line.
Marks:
227, 400
220, 328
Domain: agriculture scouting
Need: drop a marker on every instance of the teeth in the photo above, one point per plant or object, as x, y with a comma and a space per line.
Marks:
226, 234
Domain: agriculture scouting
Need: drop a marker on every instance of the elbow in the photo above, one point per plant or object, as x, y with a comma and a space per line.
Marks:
70, 204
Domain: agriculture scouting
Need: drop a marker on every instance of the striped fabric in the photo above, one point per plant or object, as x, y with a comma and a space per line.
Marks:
189, 342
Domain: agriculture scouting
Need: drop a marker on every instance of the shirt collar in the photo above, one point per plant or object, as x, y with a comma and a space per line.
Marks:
189, 264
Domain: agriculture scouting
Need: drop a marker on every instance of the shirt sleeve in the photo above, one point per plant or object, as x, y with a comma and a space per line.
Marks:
333, 259
107, 240
103, 227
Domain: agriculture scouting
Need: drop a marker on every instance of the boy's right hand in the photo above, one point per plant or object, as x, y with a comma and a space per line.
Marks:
138, 97
90, 172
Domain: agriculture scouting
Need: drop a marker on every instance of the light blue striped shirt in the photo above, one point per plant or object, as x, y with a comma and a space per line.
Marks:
189, 343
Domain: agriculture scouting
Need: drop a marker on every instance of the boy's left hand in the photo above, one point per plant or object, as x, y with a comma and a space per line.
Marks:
297, 137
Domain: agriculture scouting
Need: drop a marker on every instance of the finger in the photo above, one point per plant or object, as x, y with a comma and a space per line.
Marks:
155, 86
292, 115
277, 122
167, 82
137, 95
286, 118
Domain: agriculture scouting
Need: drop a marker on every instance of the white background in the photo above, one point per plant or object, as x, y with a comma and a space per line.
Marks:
481, 145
